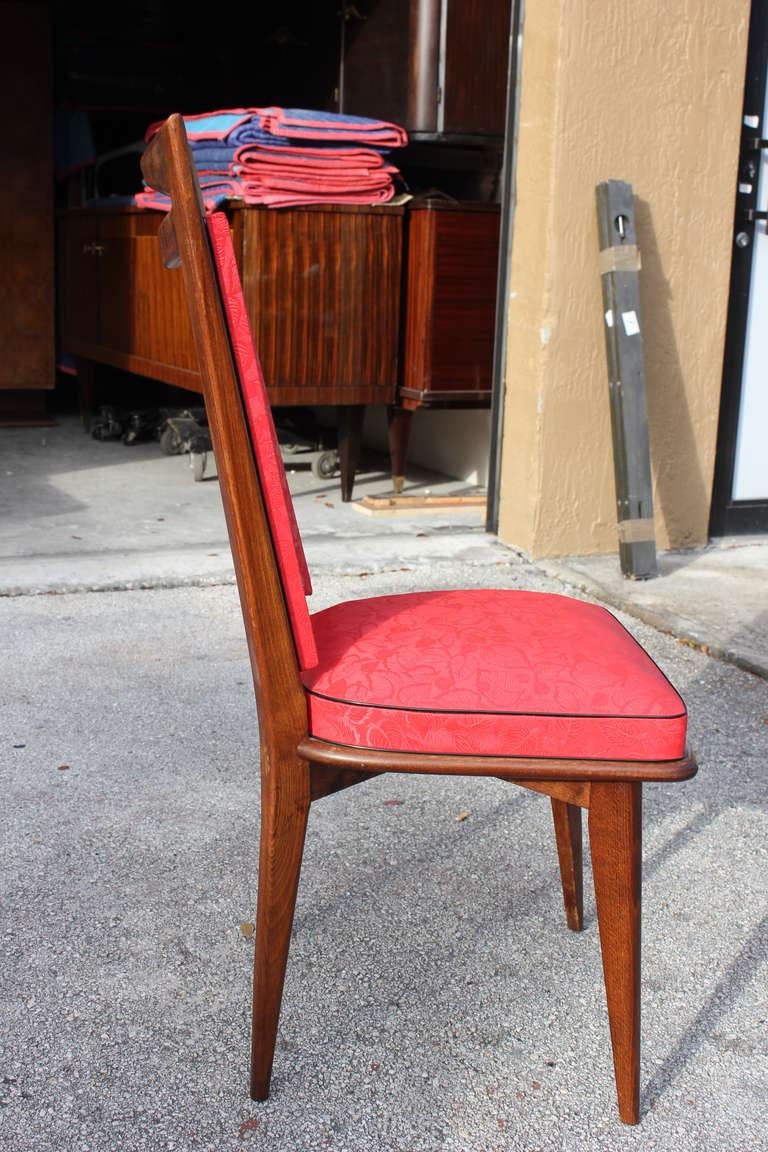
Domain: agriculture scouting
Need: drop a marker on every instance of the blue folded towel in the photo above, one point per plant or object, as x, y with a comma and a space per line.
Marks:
212, 154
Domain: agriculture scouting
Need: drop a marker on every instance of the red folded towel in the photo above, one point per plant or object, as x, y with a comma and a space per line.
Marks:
304, 124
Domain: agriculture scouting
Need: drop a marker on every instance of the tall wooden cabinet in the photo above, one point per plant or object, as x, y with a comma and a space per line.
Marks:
26, 213
438, 67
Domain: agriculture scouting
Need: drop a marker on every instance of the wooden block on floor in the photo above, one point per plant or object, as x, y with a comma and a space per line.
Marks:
389, 504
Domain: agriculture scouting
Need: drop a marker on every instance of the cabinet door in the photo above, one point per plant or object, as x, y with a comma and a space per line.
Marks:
143, 305
119, 304
26, 200
474, 84
78, 283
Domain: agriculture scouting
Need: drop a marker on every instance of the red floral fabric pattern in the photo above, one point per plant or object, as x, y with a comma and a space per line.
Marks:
491, 672
277, 497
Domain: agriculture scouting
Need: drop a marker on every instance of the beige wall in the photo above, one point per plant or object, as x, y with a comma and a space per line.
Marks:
647, 92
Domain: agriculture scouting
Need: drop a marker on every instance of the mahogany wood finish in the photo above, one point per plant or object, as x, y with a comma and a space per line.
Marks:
350, 425
477, 31
322, 289
296, 769
518, 769
567, 819
26, 220
615, 831
117, 305
453, 253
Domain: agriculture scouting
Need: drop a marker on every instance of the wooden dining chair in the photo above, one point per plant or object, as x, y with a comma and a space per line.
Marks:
539, 689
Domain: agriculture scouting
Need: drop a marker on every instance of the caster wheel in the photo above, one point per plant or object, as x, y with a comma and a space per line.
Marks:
198, 462
170, 441
325, 465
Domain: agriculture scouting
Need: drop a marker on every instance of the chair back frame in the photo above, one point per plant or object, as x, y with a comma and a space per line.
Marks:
184, 242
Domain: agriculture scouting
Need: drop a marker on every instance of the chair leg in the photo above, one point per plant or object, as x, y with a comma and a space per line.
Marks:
567, 819
615, 834
284, 811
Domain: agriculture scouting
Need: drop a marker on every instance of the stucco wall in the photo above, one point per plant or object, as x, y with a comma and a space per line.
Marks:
651, 94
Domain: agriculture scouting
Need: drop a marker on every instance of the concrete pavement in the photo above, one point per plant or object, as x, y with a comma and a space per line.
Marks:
434, 998
77, 514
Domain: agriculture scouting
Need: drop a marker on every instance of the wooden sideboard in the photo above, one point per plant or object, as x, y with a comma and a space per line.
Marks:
321, 283
349, 306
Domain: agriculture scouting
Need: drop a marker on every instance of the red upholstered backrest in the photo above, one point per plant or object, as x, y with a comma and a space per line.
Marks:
291, 560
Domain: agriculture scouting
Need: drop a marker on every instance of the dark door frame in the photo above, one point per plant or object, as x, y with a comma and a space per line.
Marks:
726, 514
508, 166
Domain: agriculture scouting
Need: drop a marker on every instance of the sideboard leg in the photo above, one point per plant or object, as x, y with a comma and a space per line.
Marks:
350, 425
399, 424
86, 390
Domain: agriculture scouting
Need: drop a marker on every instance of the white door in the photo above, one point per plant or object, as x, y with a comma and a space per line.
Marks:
750, 473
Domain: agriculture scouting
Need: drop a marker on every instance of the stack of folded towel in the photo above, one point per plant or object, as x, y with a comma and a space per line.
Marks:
288, 156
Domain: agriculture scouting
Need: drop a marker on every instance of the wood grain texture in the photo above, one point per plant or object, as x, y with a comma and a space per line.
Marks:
477, 49
527, 771
322, 288
452, 260
615, 837
119, 306
26, 198
567, 818
285, 800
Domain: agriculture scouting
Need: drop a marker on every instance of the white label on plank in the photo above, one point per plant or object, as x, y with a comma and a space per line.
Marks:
609, 318
631, 323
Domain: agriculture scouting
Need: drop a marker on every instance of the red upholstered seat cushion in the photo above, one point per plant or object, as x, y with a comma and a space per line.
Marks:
499, 673
291, 560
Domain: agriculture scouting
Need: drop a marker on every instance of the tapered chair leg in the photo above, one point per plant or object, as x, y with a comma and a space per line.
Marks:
567, 819
284, 811
615, 835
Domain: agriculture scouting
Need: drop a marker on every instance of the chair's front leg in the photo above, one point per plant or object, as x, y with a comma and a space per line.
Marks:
567, 819
284, 810
615, 835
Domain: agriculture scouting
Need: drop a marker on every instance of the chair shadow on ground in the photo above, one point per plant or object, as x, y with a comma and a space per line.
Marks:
729, 784
733, 982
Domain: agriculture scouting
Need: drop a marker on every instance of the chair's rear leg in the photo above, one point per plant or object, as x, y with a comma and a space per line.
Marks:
284, 810
615, 835
567, 819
